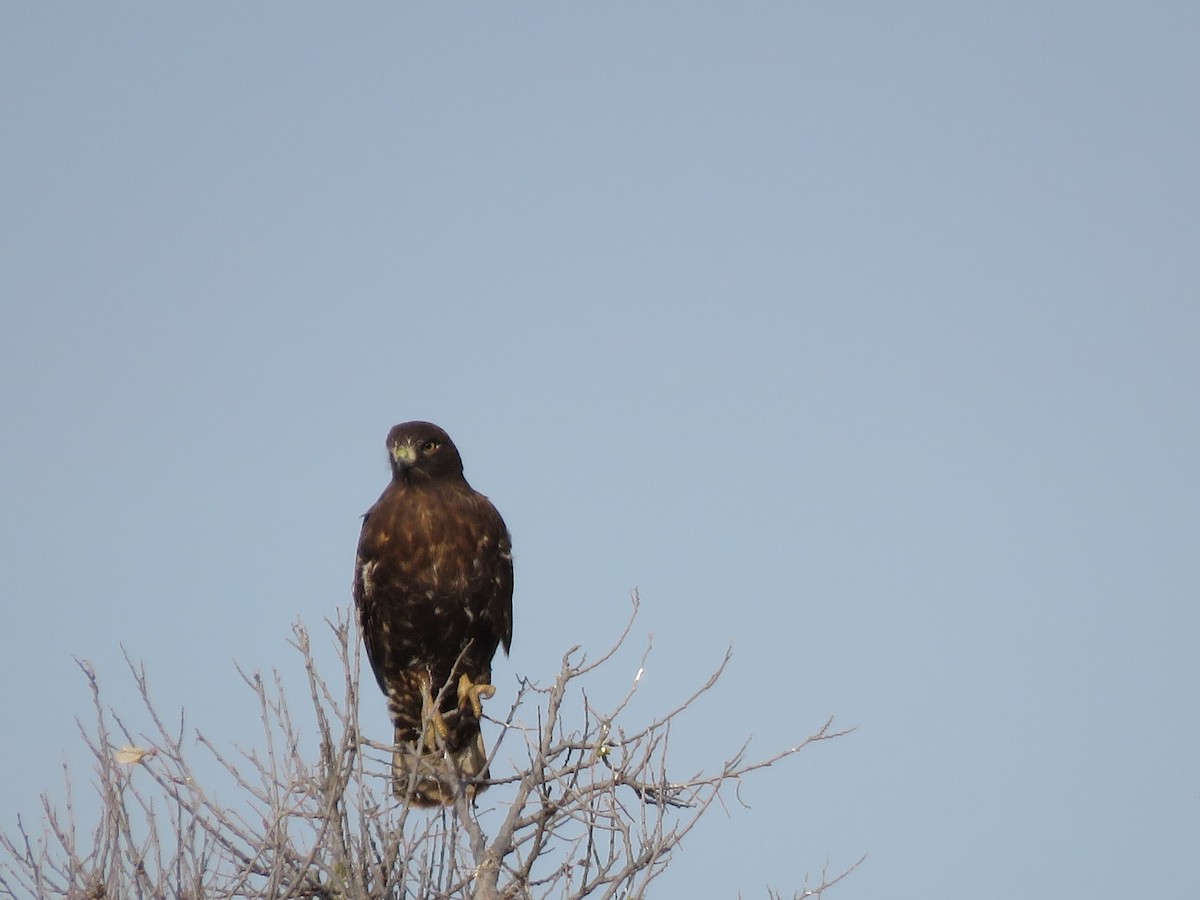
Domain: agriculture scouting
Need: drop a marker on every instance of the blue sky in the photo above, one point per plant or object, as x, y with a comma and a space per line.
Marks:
862, 337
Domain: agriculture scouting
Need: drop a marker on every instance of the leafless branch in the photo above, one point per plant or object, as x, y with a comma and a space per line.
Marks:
591, 809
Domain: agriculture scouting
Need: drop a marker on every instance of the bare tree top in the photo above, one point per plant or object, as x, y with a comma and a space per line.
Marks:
591, 809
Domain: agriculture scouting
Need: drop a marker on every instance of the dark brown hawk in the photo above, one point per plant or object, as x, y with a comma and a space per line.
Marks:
433, 584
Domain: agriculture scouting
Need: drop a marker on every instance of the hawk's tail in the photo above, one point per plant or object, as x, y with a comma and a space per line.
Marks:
424, 776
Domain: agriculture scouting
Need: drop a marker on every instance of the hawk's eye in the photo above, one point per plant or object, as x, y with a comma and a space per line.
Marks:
429, 446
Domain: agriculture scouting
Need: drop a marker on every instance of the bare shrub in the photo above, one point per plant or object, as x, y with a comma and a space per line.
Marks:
590, 812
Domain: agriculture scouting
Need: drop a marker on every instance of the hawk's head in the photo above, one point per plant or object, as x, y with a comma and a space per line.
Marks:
420, 452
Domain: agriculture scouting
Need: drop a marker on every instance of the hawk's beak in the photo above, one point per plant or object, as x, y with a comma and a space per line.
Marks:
404, 454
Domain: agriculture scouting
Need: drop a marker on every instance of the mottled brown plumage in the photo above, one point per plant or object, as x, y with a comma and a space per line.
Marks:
433, 585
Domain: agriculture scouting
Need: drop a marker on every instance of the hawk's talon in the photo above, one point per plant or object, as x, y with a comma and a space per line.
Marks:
472, 695
437, 729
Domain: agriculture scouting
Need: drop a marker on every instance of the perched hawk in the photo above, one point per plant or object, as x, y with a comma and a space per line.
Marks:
433, 584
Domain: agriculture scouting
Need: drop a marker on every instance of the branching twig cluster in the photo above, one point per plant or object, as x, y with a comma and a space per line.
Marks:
591, 810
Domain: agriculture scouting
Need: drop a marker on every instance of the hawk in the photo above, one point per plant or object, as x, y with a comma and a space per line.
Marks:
433, 584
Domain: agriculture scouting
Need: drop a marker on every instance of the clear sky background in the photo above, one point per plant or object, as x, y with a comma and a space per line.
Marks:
865, 337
